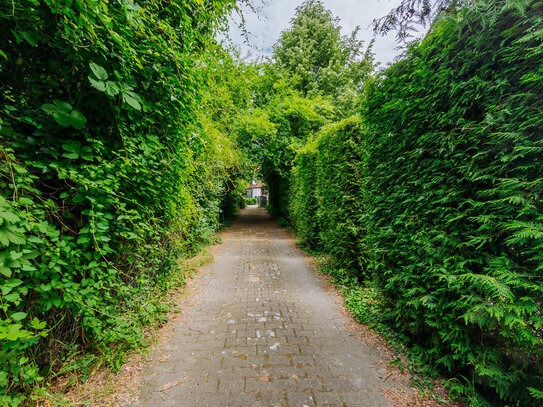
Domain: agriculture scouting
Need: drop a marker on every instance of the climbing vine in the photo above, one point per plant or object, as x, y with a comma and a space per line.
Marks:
101, 173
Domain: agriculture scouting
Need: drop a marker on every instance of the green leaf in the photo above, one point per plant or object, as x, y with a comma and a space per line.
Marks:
62, 118
74, 119
31, 37
36, 324
5, 270
79, 197
111, 88
16, 237
9, 216
132, 99
57, 107
98, 71
13, 297
71, 156
78, 121
97, 84
72, 146
83, 239
18, 316
535, 393
15, 332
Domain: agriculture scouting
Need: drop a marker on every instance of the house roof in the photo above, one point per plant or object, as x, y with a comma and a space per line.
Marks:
259, 185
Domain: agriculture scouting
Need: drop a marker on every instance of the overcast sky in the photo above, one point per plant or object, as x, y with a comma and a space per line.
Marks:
273, 16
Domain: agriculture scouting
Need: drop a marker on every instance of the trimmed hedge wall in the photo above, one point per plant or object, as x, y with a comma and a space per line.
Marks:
303, 201
449, 221
327, 202
339, 164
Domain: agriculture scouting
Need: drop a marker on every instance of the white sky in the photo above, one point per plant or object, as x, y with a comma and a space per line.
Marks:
273, 16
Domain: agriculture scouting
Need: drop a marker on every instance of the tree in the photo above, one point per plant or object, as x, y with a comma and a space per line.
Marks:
324, 61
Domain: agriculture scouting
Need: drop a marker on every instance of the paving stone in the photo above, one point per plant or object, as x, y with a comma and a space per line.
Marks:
263, 333
327, 398
300, 399
335, 383
310, 383
256, 384
285, 384
273, 398
244, 400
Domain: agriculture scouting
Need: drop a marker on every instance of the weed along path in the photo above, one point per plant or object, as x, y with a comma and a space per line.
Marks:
264, 333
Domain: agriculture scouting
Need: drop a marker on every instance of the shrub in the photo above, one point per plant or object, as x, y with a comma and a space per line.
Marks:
339, 165
251, 201
303, 204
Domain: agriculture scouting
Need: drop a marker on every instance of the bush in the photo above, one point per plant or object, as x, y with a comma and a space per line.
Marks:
251, 201
339, 164
327, 200
303, 203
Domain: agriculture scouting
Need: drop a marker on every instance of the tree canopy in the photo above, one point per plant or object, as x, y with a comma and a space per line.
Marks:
324, 61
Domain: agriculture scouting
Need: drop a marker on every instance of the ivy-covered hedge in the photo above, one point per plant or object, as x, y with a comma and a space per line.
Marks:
452, 218
105, 175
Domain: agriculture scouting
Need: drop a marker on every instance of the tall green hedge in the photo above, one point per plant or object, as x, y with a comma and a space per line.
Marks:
454, 212
303, 205
339, 165
104, 171
451, 178
327, 195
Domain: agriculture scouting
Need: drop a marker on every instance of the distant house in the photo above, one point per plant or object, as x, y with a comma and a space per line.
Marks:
257, 190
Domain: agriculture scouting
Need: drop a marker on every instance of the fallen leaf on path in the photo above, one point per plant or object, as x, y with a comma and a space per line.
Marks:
172, 384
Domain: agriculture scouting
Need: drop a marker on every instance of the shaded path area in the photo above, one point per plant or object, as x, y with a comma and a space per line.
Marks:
265, 333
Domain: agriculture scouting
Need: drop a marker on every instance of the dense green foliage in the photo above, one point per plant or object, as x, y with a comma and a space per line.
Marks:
106, 176
448, 226
327, 194
125, 136
453, 185
315, 78
251, 201
294, 118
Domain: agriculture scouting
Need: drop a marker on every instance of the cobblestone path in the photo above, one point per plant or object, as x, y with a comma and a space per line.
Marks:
264, 333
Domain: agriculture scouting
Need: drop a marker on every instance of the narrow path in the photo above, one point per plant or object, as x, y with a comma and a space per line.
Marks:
265, 333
